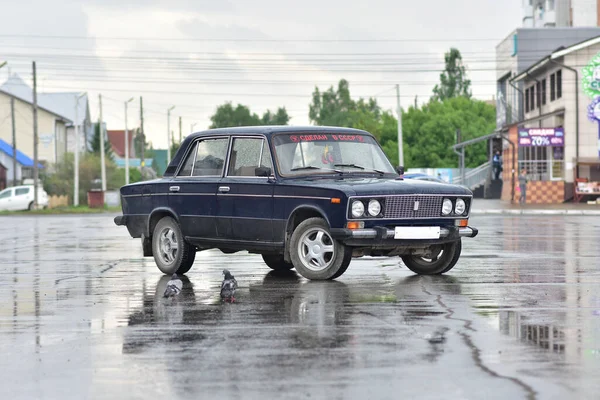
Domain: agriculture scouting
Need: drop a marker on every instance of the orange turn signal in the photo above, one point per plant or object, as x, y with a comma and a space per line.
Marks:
463, 222
335, 200
355, 225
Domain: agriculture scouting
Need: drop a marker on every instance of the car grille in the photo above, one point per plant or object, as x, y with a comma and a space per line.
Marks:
400, 207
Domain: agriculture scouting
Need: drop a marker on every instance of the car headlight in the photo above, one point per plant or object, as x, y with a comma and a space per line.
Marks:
446, 207
374, 208
460, 207
358, 209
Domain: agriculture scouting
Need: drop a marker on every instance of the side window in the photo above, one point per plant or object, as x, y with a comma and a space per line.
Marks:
210, 157
5, 194
247, 155
21, 191
186, 170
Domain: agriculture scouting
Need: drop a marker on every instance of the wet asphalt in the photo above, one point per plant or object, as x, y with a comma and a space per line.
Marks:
82, 316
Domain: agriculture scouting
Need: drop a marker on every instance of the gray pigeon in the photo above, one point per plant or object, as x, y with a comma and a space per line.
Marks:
228, 287
174, 286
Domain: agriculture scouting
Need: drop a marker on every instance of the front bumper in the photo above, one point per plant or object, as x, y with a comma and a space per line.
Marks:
381, 235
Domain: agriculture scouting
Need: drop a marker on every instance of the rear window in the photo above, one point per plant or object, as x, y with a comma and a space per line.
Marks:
21, 191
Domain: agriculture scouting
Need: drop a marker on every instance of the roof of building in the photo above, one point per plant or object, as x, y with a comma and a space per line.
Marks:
558, 53
117, 141
21, 157
61, 104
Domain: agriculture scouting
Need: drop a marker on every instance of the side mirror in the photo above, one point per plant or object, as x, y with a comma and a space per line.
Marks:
262, 171
400, 171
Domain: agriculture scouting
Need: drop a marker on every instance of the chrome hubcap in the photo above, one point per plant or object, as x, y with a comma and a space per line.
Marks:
316, 249
168, 245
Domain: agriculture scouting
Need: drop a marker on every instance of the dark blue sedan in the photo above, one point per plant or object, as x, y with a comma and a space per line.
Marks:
309, 198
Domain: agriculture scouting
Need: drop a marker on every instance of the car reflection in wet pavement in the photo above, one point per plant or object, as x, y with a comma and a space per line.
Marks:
83, 316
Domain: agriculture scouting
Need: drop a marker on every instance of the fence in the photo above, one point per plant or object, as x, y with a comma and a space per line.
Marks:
58, 201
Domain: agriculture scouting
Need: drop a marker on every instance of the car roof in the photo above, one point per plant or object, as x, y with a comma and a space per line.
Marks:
273, 129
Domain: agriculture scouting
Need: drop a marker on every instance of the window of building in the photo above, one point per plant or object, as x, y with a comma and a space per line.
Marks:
532, 98
552, 87
526, 100
543, 92
558, 84
538, 90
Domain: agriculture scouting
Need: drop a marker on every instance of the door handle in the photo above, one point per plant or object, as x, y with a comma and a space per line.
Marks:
174, 189
224, 189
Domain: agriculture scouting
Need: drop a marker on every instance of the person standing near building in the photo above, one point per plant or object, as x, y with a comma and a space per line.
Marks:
497, 164
523, 186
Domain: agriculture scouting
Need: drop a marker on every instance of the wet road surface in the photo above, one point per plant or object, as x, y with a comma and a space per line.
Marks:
81, 316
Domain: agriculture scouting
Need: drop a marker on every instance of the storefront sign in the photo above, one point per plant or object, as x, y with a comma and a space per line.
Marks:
591, 77
551, 137
594, 115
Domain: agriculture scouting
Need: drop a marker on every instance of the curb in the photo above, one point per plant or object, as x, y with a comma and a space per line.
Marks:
536, 212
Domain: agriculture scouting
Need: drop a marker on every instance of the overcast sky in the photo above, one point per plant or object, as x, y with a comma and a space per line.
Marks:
198, 54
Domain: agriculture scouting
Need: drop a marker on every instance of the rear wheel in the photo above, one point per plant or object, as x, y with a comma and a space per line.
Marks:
315, 254
172, 253
276, 262
31, 206
440, 259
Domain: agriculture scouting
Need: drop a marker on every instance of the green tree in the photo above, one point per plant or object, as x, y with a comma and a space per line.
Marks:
453, 81
108, 153
332, 107
227, 116
430, 132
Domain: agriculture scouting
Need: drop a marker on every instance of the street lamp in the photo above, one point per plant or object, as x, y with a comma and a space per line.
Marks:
169, 134
127, 144
76, 179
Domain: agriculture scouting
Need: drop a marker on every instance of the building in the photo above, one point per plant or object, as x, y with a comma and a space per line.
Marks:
557, 140
24, 166
561, 13
56, 115
117, 142
522, 48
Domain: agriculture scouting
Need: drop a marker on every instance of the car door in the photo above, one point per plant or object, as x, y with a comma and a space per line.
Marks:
6, 199
193, 191
245, 194
21, 198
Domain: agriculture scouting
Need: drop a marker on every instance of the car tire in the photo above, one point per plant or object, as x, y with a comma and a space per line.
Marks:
276, 262
457, 252
436, 264
30, 207
328, 259
172, 254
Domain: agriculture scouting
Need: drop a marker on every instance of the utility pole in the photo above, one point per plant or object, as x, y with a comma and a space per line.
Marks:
14, 140
400, 150
143, 153
169, 134
102, 165
127, 144
76, 180
35, 140
180, 138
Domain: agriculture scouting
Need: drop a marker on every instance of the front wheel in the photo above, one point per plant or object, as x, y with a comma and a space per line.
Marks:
172, 253
315, 254
440, 259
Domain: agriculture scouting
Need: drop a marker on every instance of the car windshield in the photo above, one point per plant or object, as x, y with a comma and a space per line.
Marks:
302, 154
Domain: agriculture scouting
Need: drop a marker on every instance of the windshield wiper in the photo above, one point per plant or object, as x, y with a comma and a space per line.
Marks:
313, 167
359, 167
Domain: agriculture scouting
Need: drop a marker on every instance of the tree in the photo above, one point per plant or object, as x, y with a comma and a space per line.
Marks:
453, 81
227, 116
430, 132
108, 153
332, 107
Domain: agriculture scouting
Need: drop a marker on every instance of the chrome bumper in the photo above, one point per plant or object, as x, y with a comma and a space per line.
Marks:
384, 233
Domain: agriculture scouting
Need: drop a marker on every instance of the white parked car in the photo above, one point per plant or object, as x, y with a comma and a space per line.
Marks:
18, 198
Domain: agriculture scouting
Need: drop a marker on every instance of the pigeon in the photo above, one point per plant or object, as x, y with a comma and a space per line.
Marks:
174, 286
228, 287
